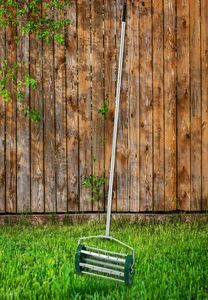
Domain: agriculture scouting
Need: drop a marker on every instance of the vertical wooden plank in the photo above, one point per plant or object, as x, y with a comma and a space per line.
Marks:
183, 105
204, 63
11, 137
170, 104
195, 105
97, 97
49, 124
72, 109
146, 140
84, 77
122, 139
133, 94
60, 117
36, 101
158, 105
23, 130
2, 127
110, 90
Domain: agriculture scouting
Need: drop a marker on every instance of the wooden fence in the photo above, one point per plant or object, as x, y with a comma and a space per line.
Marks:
162, 149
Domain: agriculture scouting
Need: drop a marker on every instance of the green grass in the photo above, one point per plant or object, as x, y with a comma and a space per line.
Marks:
38, 262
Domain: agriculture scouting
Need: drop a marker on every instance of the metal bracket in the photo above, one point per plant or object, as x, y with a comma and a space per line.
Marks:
108, 238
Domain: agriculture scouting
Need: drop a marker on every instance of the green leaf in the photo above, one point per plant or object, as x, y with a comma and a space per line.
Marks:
5, 94
29, 81
32, 114
105, 108
59, 38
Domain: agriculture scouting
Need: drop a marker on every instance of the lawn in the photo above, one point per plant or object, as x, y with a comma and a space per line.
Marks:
38, 262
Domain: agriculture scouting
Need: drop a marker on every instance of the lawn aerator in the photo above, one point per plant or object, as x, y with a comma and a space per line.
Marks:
95, 261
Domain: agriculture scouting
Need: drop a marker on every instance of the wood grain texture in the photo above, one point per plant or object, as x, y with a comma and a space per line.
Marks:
2, 126
60, 119
49, 125
122, 136
146, 137
23, 127
11, 127
170, 104
196, 114
158, 105
97, 98
204, 63
133, 96
183, 105
162, 149
36, 101
72, 109
84, 77
110, 87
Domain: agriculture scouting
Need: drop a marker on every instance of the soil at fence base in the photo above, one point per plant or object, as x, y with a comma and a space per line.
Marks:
64, 219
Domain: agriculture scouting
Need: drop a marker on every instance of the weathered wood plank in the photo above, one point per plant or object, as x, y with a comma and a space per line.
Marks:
72, 109
36, 102
133, 95
158, 106
170, 104
146, 136
23, 129
11, 126
204, 62
110, 90
84, 77
196, 113
183, 106
97, 98
122, 139
49, 125
60, 119
2, 126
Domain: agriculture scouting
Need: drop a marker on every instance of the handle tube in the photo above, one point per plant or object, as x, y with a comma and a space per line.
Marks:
115, 129
124, 12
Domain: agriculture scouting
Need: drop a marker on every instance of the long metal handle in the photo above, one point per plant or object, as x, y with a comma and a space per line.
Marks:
118, 90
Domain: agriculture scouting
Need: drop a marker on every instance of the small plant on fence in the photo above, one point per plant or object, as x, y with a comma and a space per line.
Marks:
105, 108
94, 184
37, 17
33, 19
8, 74
32, 114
